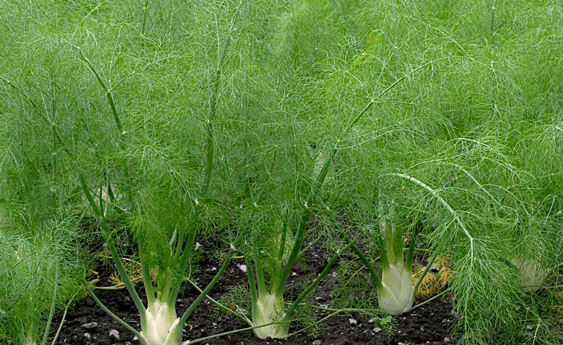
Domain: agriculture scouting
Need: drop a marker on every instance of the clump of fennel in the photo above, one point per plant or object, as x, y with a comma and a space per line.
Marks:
395, 289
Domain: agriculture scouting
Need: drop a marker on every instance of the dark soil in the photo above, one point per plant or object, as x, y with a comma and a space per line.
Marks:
86, 323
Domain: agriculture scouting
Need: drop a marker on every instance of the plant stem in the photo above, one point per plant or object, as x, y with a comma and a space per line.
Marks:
145, 10
110, 313
426, 269
316, 282
251, 281
493, 9
369, 266
410, 254
208, 288
354, 120
224, 307
321, 320
430, 299
227, 333
109, 94
64, 317
444, 203
53, 306
120, 268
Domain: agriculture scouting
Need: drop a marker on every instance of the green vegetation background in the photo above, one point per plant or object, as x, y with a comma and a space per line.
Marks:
481, 125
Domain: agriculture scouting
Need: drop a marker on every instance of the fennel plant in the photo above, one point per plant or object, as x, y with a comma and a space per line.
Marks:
164, 217
281, 196
395, 289
165, 226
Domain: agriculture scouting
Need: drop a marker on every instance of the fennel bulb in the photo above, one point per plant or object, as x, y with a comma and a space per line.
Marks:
267, 309
396, 292
162, 326
532, 273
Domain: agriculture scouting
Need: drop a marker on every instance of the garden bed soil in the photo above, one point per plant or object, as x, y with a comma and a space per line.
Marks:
86, 323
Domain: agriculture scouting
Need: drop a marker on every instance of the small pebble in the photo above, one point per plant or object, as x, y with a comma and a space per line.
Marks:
352, 321
377, 329
243, 268
317, 342
87, 335
90, 325
447, 340
114, 333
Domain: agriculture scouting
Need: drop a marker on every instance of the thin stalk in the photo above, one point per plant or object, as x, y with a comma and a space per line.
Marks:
294, 252
109, 93
120, 268
125, 278
110, 313
147, 280
63, 318
299, 237
426, 269
145, 10
352, 310
111, 101
113, 287
493, 9
443, 203
208, 288
53, 114
410, 253
227, 333
53, 306
213, 103
224, 307
354, 120
186, 249
274, 283
431, 298
321, 320
281, 252
251, 280
260, 278
313, 285
183, 264
475, 181
369, 266
179, 246
209, 152
278, 269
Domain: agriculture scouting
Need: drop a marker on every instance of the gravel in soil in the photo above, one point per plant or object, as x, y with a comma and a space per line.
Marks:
86, 323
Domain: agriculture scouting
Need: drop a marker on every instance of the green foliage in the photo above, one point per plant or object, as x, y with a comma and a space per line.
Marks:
479, 126
31, 268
